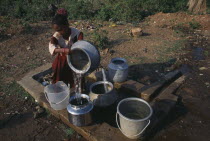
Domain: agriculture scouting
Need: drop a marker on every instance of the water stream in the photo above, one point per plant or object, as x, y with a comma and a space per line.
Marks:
104, 79
78, 89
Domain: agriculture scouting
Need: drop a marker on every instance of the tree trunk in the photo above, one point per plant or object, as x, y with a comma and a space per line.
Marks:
197, 6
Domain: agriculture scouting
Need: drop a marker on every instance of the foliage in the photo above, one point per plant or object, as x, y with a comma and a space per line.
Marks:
117, 10
78, 9
100, 39
13, 88
194, 24
29, 10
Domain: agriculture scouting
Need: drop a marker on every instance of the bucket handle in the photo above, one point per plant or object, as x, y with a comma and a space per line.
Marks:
59, 101
132, 135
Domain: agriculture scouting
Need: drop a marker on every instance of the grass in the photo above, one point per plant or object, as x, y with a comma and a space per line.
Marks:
68, 131
208, 7
121, 10
169, 49
100, 39
13, 88
206, 53
194, 24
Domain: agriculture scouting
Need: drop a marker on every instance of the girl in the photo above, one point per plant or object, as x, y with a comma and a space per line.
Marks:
60, 45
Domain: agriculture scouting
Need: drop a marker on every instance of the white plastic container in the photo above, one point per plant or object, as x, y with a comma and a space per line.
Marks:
57, 95
118, 70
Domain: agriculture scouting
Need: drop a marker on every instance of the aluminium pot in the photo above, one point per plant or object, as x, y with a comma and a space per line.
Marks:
85, 57
80, 115
118, 70
100, 96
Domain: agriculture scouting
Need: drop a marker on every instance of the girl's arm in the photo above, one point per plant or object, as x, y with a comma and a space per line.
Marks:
80, 37
53, 47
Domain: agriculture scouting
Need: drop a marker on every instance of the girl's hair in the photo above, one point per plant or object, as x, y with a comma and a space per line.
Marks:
60, 20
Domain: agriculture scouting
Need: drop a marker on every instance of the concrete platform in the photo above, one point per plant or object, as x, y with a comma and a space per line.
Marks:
102, 131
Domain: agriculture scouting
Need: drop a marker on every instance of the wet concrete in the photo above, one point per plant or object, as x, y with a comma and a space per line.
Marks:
198, 53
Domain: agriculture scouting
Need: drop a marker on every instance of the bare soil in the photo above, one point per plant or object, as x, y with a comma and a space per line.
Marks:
169, 41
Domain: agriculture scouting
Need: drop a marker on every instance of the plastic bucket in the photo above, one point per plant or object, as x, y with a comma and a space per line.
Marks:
134, 115
57, 95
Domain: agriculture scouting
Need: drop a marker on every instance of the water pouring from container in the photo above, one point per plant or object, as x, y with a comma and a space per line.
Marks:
78, 89
104, 79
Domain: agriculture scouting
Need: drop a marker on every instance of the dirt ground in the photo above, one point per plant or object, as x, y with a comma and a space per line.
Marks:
169, 41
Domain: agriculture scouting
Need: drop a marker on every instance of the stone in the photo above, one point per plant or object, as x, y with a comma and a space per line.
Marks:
131, 87
152, 90
136, 32
106, 50
202, 68
28, 48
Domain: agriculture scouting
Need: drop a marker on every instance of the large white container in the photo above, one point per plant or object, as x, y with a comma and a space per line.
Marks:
134, 116
118, 70
57, 95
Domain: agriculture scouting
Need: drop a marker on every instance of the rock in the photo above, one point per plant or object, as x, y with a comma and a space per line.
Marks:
206, 33
202, 68
28, 48
37, 107
106, 50
136, 32
39, 112
35, 115
112, 25
111, 52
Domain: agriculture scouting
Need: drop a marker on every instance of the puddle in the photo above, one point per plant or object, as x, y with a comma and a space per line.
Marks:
44, 77
198, 54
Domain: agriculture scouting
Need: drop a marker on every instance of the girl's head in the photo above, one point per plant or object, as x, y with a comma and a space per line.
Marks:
62, 11
60, 24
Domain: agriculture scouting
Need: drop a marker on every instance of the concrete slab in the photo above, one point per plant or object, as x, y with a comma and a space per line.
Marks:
101, 131
96, 132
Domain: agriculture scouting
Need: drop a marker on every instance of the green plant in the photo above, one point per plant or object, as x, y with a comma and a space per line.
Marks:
30, 10
194, 24
78, 9
118, 10
206, 53
13, 88
69, 131
100, 39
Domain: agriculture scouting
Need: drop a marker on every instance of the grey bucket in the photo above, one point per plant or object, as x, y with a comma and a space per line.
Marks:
134, 117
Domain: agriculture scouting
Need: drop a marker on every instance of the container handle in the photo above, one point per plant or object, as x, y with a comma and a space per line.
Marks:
132, 135
59, 101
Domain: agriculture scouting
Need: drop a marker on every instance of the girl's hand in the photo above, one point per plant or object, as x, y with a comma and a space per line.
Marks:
64, 51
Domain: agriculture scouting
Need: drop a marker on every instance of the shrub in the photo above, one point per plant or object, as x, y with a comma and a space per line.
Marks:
100, 39
78, 9
30, 10
118, 10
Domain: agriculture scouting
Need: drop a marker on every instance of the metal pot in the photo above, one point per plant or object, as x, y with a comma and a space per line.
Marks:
117, 70
85, 57
80, 115
99, 96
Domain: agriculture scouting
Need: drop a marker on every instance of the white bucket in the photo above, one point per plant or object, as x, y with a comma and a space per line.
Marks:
134, 115
57, 95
